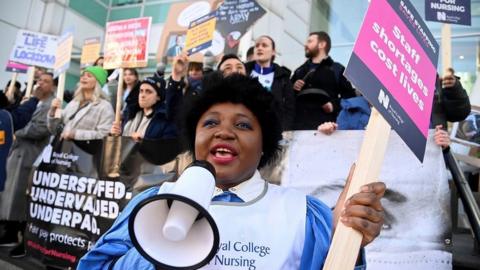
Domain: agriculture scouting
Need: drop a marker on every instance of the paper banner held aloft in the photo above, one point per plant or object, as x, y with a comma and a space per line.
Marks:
16, 67
394, 64
200, 33
451, 12
63, 53
90, 51
126, 43
234, 17
34, 49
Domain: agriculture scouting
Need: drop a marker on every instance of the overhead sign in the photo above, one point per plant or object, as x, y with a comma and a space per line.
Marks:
34, 49
200, 33
16, 67
394, 65
234, 17
64, 53
90, 51
126, 43
449, 11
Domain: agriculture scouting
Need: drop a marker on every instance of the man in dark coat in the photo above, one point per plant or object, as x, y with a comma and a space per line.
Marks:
319, 85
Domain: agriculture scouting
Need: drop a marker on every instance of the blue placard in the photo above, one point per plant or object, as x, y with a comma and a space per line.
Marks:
448, 11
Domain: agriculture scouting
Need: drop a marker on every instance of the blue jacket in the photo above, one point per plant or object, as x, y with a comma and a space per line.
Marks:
354, 114
161, 127
6, 141
11, 121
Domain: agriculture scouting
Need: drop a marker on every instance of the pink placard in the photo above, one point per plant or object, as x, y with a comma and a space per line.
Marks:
392, 53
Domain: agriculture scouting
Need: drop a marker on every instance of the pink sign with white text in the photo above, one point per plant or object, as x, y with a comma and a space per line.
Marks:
394, 65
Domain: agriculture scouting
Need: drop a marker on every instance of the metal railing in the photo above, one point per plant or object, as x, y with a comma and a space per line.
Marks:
465, 193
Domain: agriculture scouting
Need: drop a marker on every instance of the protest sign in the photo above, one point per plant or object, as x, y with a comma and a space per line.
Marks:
200, 33
126, 43
234, 17
449, 11
90, 51
71, 202
16, 67
180, 15
63, 53
394, 64
34, 49
416, 204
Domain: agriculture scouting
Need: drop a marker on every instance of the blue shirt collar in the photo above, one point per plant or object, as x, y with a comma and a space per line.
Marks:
262, 70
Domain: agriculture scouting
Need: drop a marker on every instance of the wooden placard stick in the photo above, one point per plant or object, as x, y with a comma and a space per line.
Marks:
10, 94
118, 107
114, 171
60, 90
446, 47
30, 78
346, 241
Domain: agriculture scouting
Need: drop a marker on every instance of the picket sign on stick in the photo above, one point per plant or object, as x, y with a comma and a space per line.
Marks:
446, 47
11, 92
118, 107
30, 78
346, 241
117, 140
60, 90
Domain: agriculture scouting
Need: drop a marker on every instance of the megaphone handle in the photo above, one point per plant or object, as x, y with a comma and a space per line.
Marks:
169, 204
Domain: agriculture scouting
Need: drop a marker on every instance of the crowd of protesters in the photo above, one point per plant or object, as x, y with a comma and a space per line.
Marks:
316, 96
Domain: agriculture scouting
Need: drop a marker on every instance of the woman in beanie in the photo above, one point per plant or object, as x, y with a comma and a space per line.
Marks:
89, 115
150, 117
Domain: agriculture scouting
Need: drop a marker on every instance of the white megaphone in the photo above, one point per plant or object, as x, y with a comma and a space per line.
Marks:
174, 230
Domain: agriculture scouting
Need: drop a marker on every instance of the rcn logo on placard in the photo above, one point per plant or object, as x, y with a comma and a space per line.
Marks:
47, 154
441, 16
383, 98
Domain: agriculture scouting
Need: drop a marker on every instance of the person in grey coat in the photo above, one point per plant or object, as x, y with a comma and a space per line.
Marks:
89, 116
28, 144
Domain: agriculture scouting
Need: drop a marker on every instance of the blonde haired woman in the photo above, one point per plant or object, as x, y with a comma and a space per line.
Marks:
89, 115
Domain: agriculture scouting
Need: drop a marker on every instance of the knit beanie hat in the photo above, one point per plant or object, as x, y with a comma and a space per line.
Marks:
99, 73
158, 84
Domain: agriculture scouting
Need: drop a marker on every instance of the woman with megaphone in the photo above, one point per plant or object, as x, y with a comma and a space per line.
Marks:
233, 125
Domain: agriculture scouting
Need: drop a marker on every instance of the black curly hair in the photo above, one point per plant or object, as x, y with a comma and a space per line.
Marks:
236, 89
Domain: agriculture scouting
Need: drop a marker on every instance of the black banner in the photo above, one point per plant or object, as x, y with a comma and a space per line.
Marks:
234, 17
72, 200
